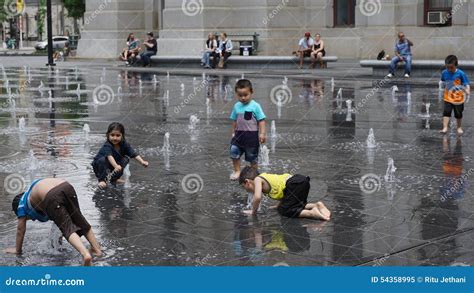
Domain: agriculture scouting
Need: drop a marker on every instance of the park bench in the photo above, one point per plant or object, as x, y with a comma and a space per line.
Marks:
244, 43
236, 62
420, 68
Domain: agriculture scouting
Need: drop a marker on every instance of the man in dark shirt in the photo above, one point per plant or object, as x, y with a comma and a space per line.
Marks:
150, 49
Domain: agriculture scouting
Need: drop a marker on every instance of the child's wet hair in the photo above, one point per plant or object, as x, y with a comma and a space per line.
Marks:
16, 202
248, 173
242, 84
451, 60
116, 126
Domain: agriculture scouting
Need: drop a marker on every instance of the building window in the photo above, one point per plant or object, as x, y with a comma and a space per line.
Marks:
438, 12
344, 12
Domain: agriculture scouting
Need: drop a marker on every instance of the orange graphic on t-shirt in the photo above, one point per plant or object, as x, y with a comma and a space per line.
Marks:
454, 96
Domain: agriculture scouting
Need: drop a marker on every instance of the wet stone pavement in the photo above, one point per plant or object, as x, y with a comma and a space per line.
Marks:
183, 210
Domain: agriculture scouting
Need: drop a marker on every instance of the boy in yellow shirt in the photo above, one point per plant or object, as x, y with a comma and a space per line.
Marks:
291, 190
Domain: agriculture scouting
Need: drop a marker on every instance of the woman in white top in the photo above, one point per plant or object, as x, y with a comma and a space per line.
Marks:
211, 46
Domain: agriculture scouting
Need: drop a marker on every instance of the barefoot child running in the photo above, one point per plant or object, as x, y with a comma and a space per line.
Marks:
456, 89
54, 199
114, 156
291, 190
248, 127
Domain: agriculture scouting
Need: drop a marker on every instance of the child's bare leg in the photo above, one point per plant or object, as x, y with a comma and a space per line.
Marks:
236, 165
76, 242
95, 247
312, 214
459, 123
445, 124
310, 206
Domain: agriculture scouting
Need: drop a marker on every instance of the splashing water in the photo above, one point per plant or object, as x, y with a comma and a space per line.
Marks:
273, 129
33, 161
371, 143
390, 173
167, 98
264, 156
86, 129
339, 93
333, 84
166, 143
427, 108
349, 111
56, 239
193, 121
126, 175
208, 109
21, 124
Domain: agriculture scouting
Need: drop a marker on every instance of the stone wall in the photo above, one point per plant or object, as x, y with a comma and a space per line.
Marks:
281, 23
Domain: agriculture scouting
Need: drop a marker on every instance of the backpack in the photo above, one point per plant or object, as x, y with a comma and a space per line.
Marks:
381, 55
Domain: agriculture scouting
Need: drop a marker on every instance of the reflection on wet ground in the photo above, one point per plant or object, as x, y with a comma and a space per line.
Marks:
183, 210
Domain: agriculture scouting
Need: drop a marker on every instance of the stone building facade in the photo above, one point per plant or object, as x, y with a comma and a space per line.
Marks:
353, 29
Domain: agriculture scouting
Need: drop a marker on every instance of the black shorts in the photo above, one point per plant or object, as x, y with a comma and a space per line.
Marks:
295, 196
62, 207
449, 108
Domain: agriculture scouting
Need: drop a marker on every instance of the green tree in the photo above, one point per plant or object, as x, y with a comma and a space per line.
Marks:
75, 9
41, 18
3, 14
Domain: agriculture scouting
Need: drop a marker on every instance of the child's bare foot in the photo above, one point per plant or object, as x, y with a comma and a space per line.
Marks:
443, 131
235, 176
324, 210
87, 260
95, 252
460, 131
316, 214
102, 184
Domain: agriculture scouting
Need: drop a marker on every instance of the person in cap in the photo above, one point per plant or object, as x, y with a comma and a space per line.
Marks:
305, 47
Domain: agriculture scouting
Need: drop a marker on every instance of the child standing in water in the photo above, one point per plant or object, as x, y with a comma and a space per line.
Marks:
248, 127
291, 190
54, 199
114, 156
456, 89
